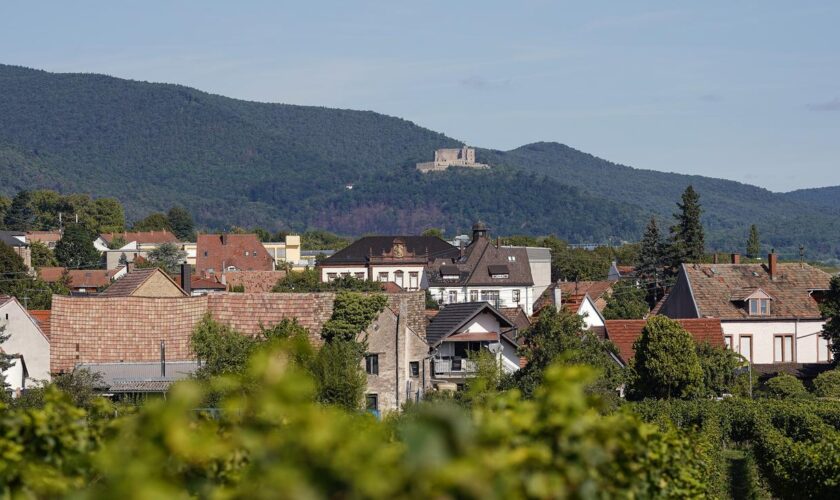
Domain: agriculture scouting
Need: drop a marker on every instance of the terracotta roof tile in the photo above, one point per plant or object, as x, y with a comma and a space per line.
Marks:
254, 281
42, 317
218, 252
624, 332
718, 288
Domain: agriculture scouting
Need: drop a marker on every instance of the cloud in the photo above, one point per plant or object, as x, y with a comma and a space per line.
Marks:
481, 83
832, 105
711, 97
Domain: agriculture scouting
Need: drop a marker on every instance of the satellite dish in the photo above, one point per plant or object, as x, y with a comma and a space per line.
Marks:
495, 347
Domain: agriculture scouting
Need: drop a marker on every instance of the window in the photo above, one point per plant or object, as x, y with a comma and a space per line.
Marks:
745, 346
473, 295
783, 348
491, 296
205, 254
516, 296
727, 340
382, 277
453, 296
331, 276
246, 253
456, 365
511, 258
398, 278
360, 276
413, 280
345, 274
414, 368
372, 402
372, 364
759, 307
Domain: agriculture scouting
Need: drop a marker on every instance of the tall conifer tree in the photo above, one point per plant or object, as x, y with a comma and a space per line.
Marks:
687, 239
753, 243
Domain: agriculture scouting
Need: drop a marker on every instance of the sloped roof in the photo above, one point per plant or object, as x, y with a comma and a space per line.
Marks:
42, 317
142, 376
574, 291
452, 317
360, 251
142, 237
624, 332
9, 238
481, 261
79, 278
254, 281
716, 289
245, 252
517, 316
131, 282
43, 236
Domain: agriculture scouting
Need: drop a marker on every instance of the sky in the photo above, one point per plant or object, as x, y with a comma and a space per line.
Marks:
748, 91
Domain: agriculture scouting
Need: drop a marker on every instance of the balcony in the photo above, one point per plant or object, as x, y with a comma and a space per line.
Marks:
453, 368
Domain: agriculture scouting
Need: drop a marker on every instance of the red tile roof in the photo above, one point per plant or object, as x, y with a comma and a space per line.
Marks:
218, 252
142, 237
624, 332
79, 278
45, 237
42, 317
254, 281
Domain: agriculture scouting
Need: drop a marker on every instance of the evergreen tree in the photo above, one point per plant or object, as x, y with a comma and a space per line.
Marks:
75, 249
20, 216
830, 309
687, 239
5, 360
651, 252
753, 243
666, 363
181, 223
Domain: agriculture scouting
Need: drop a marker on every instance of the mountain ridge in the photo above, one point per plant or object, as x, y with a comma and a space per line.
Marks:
230, 161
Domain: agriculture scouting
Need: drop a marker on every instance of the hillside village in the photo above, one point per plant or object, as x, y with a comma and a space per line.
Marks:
130, 311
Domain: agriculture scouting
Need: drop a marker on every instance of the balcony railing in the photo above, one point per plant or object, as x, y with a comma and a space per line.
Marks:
450, 368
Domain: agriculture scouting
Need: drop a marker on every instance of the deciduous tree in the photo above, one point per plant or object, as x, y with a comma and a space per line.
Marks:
627, 301
20, 216
666, 363
181, 223
75, 249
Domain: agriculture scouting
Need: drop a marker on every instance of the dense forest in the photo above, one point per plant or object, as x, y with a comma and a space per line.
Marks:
285, 167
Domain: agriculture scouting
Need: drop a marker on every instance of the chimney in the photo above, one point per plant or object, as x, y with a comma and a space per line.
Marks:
558, 295
715, 259
736, 258
186, 278
773, 264
224, 239
129, 267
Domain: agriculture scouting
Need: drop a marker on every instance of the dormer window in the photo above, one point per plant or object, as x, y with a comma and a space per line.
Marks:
759, 307
499, 271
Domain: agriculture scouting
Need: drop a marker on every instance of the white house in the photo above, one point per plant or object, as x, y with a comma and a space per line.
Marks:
25, 339
769, 312
504, 276
399, 259
15, 376
461, 328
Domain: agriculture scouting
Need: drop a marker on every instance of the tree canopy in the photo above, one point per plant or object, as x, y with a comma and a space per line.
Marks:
666, 363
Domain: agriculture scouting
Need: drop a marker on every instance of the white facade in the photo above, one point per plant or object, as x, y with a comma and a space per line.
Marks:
447, 351
767, 342
26, 339
590, 314
409, 277
497, 296
15, 376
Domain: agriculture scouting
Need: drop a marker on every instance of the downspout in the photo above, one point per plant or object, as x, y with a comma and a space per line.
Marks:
397, 356
796, 341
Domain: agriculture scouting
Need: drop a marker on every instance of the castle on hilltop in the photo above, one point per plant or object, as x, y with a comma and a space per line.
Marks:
451, 157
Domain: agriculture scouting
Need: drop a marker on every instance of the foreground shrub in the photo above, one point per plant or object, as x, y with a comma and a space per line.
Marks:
827, 384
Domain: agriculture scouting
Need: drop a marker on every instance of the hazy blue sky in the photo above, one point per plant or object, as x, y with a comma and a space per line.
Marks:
746, 92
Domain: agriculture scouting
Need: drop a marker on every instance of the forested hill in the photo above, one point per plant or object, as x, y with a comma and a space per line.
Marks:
827, 197
233, 162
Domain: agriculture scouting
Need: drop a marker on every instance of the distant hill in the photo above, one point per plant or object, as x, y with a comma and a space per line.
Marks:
232, 162
826, 197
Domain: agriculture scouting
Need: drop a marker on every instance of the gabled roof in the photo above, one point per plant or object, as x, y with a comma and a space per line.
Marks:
454, 316
245, 252
254, 281
79, 278
141, 376
624, 332
44, 236
141, 237
716, 288
425, 248
597, 291
129, 284
482, 261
